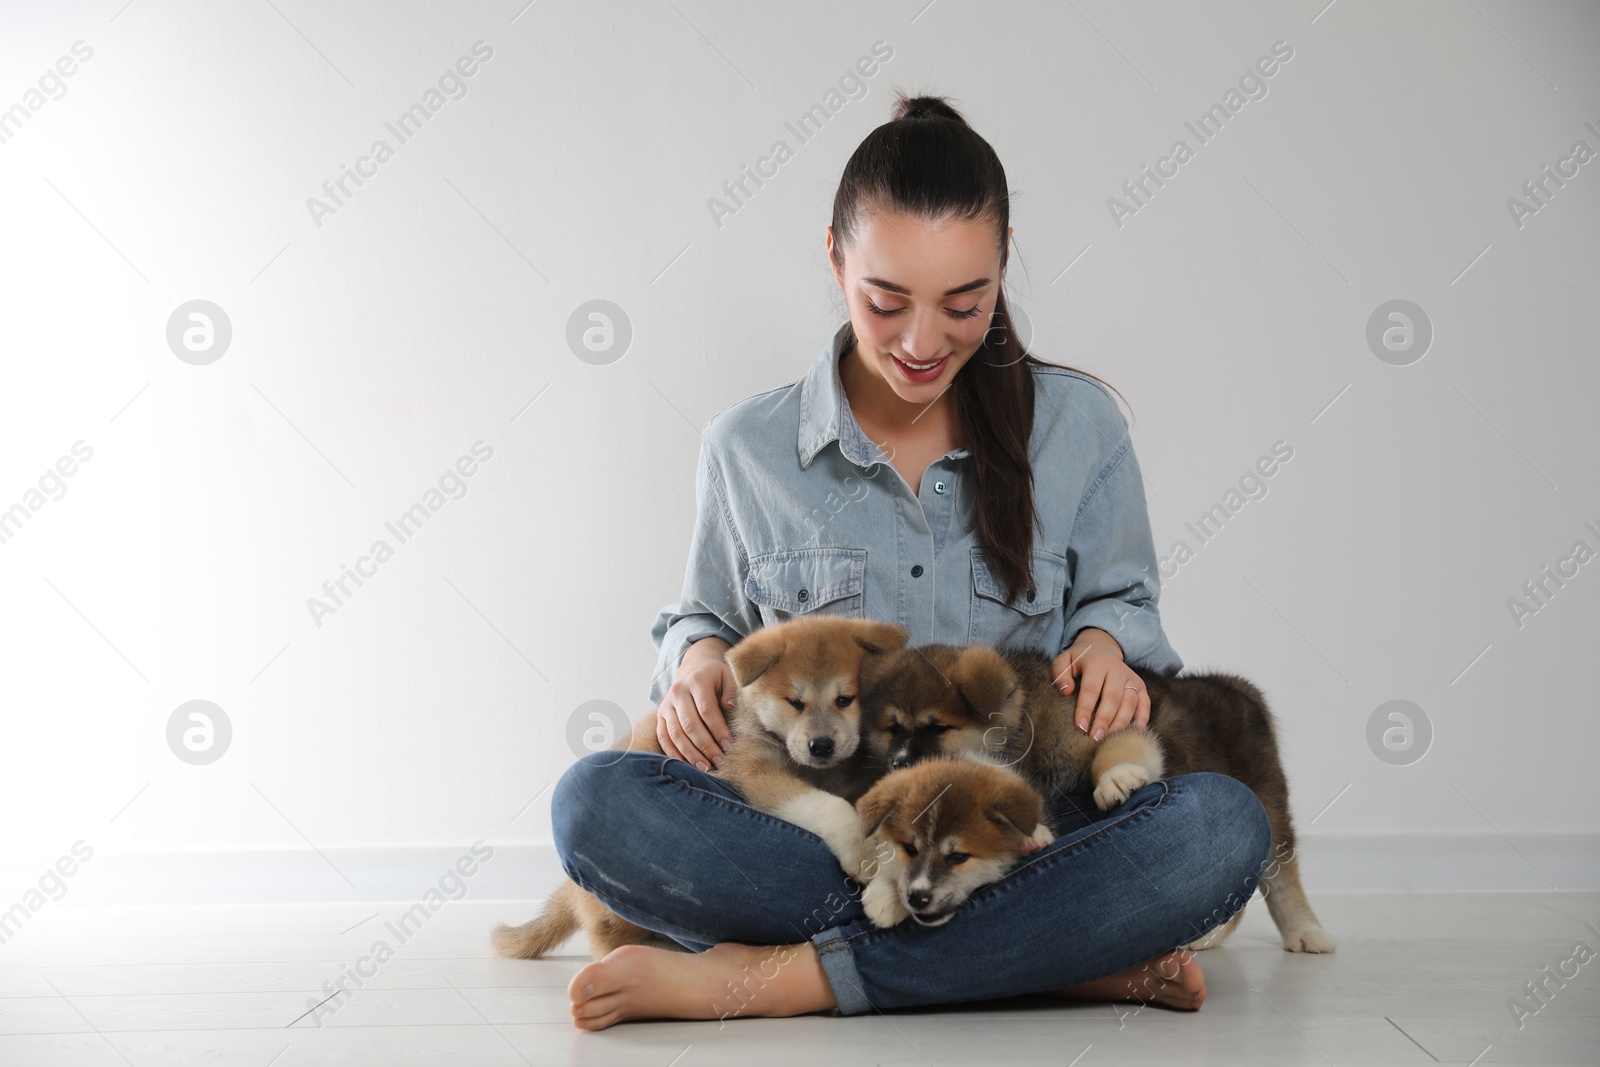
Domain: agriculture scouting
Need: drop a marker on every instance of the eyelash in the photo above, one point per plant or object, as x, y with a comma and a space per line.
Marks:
875, 309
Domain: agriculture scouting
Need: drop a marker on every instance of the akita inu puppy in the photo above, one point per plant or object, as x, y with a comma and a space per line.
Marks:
945, 827
940, 699
797, 753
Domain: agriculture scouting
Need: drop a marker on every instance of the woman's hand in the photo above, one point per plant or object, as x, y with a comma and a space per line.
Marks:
1110, 694
689, 723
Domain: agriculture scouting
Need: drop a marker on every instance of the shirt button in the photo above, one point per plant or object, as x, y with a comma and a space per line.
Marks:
916, 571
804, 596
938, 487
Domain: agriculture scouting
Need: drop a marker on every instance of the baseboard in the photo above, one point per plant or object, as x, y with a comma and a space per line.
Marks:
1523, 861
1330, 862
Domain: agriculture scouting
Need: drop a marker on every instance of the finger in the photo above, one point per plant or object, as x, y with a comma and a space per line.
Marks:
1141, 717
663, 738
1105, 713
1088, 694
695, 719
1125, 708
1106, 707
1061, 667
683, 711
716, 718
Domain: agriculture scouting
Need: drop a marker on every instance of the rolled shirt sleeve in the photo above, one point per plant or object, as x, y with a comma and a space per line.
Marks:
713, 603
1115, 581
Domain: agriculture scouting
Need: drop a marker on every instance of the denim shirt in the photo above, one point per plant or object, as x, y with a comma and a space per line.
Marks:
799, 512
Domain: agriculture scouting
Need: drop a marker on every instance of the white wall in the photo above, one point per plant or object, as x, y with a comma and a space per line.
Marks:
371, 350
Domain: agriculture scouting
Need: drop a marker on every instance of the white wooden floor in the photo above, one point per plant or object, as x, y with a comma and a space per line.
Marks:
1418, 979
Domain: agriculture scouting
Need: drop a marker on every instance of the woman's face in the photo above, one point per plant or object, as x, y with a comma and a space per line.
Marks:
921, 297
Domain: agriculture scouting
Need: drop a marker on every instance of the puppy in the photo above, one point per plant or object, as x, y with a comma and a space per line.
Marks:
945, 827
796, 752
940, 699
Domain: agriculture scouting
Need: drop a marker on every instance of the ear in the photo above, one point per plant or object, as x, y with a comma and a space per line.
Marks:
1017, 808
879, 637
752, 657
984, 681
877, 806
876, 668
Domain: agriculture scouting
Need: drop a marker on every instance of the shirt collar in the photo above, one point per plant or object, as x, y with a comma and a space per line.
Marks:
825, 413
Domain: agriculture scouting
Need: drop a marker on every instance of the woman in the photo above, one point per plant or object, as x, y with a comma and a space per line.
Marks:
903, 479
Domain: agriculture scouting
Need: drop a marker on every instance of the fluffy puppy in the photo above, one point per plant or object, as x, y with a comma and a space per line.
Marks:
944, 828
941, 700
796, 752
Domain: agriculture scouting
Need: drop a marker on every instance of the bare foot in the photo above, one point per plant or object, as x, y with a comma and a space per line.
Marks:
1173, 981
726, 980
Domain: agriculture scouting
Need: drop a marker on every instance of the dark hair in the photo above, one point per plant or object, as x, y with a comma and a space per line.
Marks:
928, 163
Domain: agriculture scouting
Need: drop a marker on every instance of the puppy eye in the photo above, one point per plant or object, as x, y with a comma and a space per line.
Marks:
895, 729
911, 848
956, 859
797, 703
942, 729
844, 700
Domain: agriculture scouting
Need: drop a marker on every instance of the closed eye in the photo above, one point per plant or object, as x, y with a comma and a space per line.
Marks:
956, 859
969, 313
942, 729
797, 704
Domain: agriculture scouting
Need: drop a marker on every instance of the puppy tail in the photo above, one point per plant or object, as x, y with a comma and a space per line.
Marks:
543, 935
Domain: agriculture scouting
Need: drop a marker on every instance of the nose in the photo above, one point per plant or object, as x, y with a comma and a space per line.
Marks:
821, 747
921, 338
900, 760
920, 899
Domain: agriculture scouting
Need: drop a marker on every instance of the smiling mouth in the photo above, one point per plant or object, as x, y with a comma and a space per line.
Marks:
919, 368
933, 918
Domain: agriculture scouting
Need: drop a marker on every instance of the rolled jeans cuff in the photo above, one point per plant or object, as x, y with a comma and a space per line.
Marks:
839, 964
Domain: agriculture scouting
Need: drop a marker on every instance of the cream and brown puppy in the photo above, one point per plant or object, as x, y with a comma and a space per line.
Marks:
797, 740
945, 827
937, 700
797, 753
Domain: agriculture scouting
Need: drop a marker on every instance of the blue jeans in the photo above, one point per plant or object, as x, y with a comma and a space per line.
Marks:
679, 852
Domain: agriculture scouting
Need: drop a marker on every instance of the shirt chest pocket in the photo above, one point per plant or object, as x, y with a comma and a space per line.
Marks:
822, 581
1027, 622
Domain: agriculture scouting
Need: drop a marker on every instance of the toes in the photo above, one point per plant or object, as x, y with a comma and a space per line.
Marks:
597, 1013
596, 1023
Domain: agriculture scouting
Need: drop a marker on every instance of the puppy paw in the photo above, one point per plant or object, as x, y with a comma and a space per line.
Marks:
858, 856
1117, 783
1041, 837
1309, 939
882, 902
1211, 940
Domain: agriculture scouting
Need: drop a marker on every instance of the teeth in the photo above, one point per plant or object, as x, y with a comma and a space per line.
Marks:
923, 366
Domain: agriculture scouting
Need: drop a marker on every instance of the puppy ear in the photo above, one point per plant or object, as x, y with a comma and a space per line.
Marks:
880, 637
876, 806
1017, 808
984, 680
876, 668
752, 657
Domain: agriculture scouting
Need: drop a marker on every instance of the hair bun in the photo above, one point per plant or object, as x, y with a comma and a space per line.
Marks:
925, 107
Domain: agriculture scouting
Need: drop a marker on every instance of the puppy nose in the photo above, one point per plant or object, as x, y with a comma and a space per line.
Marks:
821, 747
920, 898
899, 761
